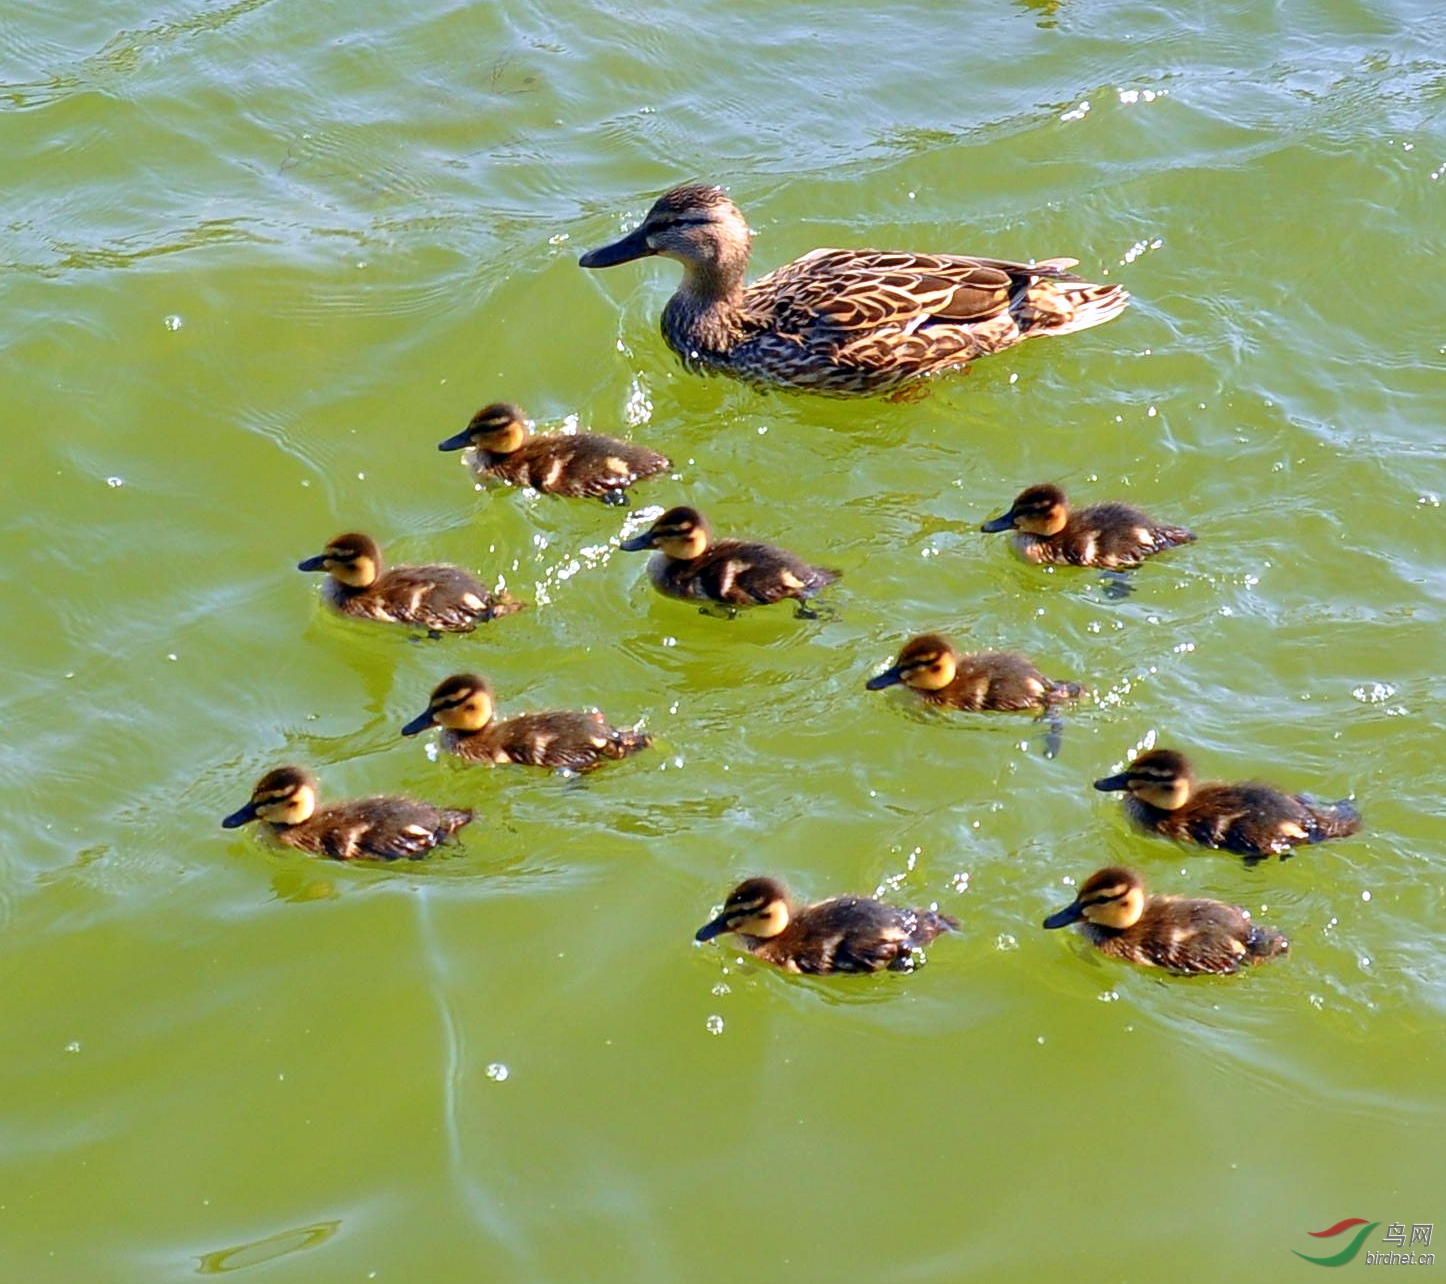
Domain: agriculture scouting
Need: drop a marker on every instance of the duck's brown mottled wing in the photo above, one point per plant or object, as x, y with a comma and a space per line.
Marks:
435, 597
854, 934
1187, 936
587, 465
1248, 819
745, 574
577, 740
377, 829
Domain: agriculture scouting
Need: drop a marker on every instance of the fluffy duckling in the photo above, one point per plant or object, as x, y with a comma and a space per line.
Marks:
844, 322
386, 828
997, 680
1107, 535
584, 464
578, 740
441, 599
1178, 933
1252, 820
845, 934
690, 564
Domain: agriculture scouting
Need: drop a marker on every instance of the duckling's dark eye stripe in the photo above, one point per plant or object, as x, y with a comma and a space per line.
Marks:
453, 702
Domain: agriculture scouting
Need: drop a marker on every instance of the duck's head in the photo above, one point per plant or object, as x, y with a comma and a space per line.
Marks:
286, 796
1160, 777
680, 533
498, 429
354, 560
756, 907
1039, 510
926, 663
462, 702
695, 224
1113, 897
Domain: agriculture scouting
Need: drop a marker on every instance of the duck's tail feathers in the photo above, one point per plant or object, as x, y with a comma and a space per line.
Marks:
1172, 536
1062, 307
453, 818
1063, 691
504, 604
930, 923
1332, 820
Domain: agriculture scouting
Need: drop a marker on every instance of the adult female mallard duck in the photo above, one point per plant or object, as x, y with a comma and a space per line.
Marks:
999, 680
1178, 933
463, 707
440, 599
845, 934
587, 464
844, 322
690, 564
1108, 535
1252, 820
386, 828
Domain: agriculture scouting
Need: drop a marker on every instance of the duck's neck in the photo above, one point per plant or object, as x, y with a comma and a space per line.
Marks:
706, 316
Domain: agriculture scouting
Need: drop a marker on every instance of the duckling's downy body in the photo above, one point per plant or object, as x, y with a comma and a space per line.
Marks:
844, 322
691, 565
845, 934
441, 599
1178, 933
1252, 820
590, 465
1003, 680
1109, 535
577, 740
384, 828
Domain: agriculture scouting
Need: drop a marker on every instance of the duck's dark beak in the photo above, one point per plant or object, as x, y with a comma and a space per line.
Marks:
709, 930
633, 246
1111, 783
638, 543
317, 563
418, 724
238, 818
1004, 522
888, 678
1063, 918
460, 442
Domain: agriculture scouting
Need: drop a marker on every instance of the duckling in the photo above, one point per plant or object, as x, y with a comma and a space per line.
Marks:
462, 706
386, 828
845, 934
1107, 535
690, 564
1181, 934
1252, 820
585, 464
992, 680
442, 599
843, 322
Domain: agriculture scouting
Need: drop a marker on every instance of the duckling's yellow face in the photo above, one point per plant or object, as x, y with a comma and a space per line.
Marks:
758, 907
1113, 898
1040, 510
353, 560
680, 533
928, 663
461, 703
1162, 778
498, 429
286, 796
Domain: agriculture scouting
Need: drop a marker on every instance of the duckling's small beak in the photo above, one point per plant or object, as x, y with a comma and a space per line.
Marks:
1063, 918
238, 818
1111, 783
317, 563
418, 724
633, 246
638, 543
460, 442
888, 678
1004, 522
709, 930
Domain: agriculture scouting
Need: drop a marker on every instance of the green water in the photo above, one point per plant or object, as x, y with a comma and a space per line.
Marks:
261, 257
